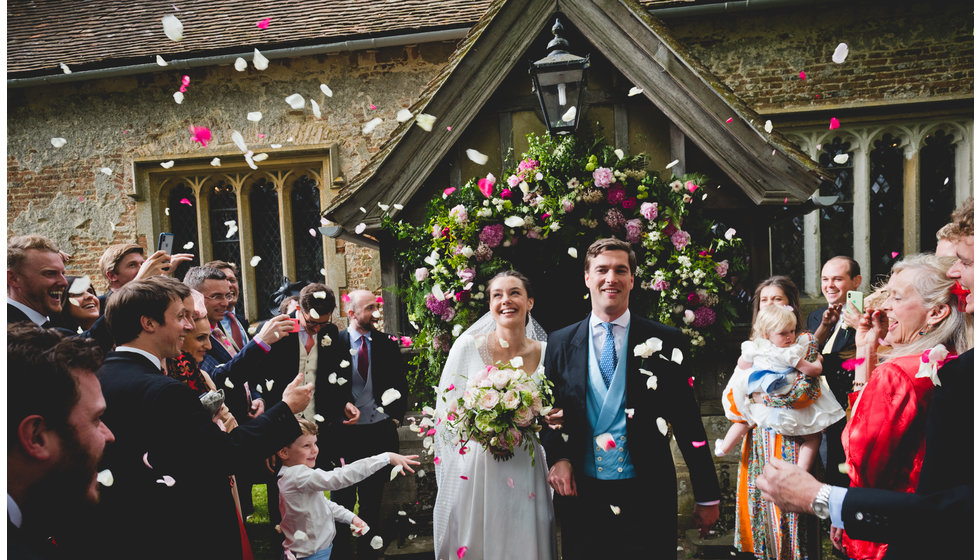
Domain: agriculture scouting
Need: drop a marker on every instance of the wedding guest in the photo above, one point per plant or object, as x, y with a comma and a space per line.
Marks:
597, 366
120, 263
885, 438
55, 437
946, 241
308, 517
35, 279
79, 306
233, 323
171, 462
835, 338
942, 504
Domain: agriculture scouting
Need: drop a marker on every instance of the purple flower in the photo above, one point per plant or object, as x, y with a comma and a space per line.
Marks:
603, 177
633, 229
436, 306
680, 239
649, 210
492, 235
421, 273
722, 268
660, 285
459, 214
693, 299
615, 195
703, 317
466, 274
614, 218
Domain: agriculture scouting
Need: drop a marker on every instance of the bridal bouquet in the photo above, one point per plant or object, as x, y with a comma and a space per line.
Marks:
498, 409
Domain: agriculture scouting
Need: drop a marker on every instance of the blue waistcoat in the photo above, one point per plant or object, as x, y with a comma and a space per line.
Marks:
607, 413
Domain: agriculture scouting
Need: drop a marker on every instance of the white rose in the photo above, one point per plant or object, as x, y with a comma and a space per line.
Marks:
511, 400
467, 251
500, 379
523, 417
642, 350
489, 399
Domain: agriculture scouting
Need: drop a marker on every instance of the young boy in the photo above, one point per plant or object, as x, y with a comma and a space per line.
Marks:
307, 515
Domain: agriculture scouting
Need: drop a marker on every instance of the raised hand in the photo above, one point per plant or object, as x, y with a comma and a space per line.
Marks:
275, 329
296, 396
406, 461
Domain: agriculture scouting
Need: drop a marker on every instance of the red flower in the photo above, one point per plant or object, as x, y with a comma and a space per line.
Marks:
629, 203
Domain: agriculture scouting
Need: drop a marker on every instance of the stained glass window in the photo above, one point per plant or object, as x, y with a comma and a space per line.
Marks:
887, 232
183, 224
837, 220
266, 241
787, 248
937, 197
308, 249
224, 214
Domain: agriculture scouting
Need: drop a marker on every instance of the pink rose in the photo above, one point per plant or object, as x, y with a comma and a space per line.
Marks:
523, 417
680, 239
633, 229
421, 273
603, 177
506, 193
567, 205
660, 285
649, 210
489, 399
722, 268
513, 181
459, 214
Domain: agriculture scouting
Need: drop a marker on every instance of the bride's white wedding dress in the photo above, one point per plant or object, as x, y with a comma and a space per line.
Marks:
497, 509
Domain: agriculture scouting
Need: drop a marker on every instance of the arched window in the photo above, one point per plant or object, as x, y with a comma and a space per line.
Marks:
887, 239
837, 221
183, 224
308, 248
266, 241
223, 215
937, 187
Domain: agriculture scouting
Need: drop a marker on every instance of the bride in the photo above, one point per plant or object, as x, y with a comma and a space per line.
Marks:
496, 509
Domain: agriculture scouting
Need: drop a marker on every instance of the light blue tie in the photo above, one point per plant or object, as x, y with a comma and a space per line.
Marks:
607, 358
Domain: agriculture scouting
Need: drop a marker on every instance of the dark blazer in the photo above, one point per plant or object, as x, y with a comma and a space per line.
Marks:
566, 365
284, 364
936, 521
387, 372
250, 365
99, 331
159, 421
15, 315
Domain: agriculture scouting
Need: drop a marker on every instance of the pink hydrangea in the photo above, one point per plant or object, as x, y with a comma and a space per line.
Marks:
459, 214
633, 230
703, 317
615, 195
649, 210
614, 218
492, 235
680, 239
421, 273
513, 181
603, 177
440, 307
660, 285
722, 268
528, 165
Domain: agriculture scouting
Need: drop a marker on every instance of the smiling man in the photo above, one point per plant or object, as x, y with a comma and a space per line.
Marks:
35, 279
600, 368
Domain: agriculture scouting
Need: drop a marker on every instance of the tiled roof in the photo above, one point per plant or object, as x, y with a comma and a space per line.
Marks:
41, 34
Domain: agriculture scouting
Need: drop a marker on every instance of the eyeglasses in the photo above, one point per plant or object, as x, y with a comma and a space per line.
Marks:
220, 297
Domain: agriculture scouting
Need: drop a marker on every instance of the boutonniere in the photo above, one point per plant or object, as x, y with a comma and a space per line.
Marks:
325, 340
933, 359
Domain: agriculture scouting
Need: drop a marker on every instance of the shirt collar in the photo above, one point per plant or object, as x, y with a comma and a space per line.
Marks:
153, 359
33, 315
13, 512
621, 321
355, 335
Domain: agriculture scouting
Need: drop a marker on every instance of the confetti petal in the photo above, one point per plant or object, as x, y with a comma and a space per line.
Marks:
188, 246
65, 68
377, 542
699, 443
167, 480
341, 381
344, 364
634, 91
296, 101
390, 396
326, 90
229, 384
834, 123
359, 229
185, 201
369, 126
510, 482
216, 162
662, 425
615, 509
260, 157
573, 252
673, 163
260, 62
146, 460
255, 261
105, 478
403, 115
461, 552
167, 164
605, 441
254, 116
395, 472
263, 24
894, 254
840, 53
249, 160
319, 418
851, 364
464, 477
161, 61
240, 64
200, 134
239, 141
172, 27
425, 121
269, 383
316, 109
768, 126
315, 315
630, 412
569, 115
841, 159
58, 142
677, 356
476, 157
802, 75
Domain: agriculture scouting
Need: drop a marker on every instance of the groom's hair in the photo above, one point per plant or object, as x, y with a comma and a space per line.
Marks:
610, 244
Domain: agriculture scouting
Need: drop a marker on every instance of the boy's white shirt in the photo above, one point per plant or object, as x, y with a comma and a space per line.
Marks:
305, 508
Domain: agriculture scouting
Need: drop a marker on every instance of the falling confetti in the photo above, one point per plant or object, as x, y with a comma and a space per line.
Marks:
377, 542
167, 480
200, 134
395, 472
146, 460
678, 357
188, 246
605, 441
260, 62
239, 141
296, 101
634, 91
166, 211
372, 106
318, 418
229, 384
841, 159
894, 254
316, 109
216, 162
268, 384
461, 552
510, 482
476, 157
255, 261
840, 53
107, 171
249, 160
173, 28
263, 24
662, 425
185, 201
852, 363
161, 61
403, 115
254, 116
260, 157
569, 115
105, 478
834, 123
359, 229
240, 64
699, 443
630, 412
371, 125
730, 119
768, 127
390, 396
802, 75
178, 97
425, 121
65, 68
167, 164
673, 163
615, 509
58, 142
573, 252
326, 90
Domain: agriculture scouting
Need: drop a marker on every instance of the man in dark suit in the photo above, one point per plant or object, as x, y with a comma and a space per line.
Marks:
835, 338
371, 375
623, 376
937, 520
55, 437
171, 463
35, 279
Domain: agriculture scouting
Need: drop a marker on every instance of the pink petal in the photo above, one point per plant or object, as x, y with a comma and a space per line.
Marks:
785, 200
436, 460
730, 119
605, 441
849, 365
431, 432
461, 552
834, 123
464, 477
449, 128
263, 24
894, 254
312, 232
146, 460
449, 191
342, 462
510, 482
167, 479
699, 443
345, 298
531, 495
802, 75
690, 381
185, 201
379, 299
185, 81
451, 387
373, 107
200, 134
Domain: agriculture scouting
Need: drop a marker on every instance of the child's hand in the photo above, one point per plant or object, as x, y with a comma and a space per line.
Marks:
404, 460
358, 527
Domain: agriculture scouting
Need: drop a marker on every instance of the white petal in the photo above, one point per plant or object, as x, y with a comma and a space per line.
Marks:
841, 159
80, 285
383, 207
503, 343
316, 109
178, 97
377, 542
106, 171
403, 115
216, 162
296, 101
65, 68
299, 535
399, 206
249, 160
630, 412
236, 137
332, 378
390, 396
438, 293
320, 294
425, 121
662, 425
260, 62
254, 116
652, 383
395, 471
74, 302
173, 28
634, 91
768, 126
840, 53
105, 478
655, 344
371, 125
677, 356
376, 314
646, 371
341, 381
476, 157
188, 246
167, 479
605, 441
344, 363
619, 153
275, 146
615, 509
161, 61
167, 164
569, 115
514, 221
166, 211
359, 229
58, 142
319, 418
260, 157
565, 437
269, 383
314, 314
326, 90
517, 362
240, 64
255, 261
229, 384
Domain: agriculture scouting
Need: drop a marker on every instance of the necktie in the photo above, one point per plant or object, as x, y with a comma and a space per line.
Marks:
225, 343
607, 358
830, 341
310, 340
236, 333
362, 359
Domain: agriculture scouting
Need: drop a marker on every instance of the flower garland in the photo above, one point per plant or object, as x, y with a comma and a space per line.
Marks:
567, 193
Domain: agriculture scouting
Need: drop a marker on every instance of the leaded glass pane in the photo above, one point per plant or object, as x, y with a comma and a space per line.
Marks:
224, 211
936, 179
305, 199
787, 248
886, 205
183, 224
837, 221
267, 242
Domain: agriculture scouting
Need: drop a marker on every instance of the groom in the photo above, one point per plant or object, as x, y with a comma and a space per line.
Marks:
611, 462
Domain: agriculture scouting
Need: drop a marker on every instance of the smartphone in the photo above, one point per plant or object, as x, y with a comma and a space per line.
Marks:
856, 299
295, 325
166, 243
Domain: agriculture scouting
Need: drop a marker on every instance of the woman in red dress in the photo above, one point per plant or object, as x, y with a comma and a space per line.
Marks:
885, 438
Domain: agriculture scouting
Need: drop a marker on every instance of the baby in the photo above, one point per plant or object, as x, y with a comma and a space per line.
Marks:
307, 515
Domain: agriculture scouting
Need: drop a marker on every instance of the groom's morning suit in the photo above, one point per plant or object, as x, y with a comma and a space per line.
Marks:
638, 475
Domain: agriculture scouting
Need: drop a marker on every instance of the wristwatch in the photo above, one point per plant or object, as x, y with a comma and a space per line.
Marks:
821, 502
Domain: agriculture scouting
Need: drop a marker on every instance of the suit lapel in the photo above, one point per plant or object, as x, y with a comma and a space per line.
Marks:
578, 364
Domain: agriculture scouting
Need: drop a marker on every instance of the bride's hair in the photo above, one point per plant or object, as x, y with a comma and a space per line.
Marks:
513, 274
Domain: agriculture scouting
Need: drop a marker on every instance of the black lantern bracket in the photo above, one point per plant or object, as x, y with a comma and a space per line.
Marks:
559, 82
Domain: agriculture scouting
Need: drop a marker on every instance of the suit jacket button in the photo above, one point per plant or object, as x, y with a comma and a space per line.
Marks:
620, 469
620, 459
598, 458
859, 516
620, 449
599, 469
